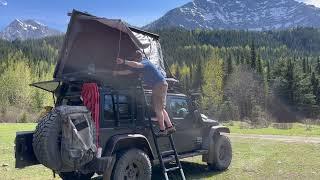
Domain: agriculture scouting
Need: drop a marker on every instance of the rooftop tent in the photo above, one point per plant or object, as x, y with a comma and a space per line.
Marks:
92, 45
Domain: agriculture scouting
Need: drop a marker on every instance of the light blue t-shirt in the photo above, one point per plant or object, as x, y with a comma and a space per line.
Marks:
150, 74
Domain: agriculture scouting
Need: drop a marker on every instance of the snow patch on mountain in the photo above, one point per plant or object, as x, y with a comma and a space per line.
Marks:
27, 29
240, 14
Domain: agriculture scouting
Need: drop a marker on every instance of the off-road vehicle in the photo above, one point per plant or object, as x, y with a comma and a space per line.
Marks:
123, 145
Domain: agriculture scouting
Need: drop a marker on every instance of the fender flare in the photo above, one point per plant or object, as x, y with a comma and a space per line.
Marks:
214, 131
125, 141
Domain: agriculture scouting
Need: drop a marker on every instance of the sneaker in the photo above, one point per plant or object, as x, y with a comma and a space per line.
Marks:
162, 133
171, 130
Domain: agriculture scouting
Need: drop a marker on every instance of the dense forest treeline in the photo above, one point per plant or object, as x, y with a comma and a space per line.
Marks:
243, 75
249, 75
22, 63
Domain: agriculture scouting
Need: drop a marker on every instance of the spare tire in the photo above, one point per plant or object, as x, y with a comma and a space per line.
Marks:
48, 137
47, 141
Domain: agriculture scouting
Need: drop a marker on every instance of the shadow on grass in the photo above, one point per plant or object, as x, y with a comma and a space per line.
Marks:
192, 171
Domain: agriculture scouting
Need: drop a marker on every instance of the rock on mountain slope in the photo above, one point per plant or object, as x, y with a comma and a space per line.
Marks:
28, 29
240, 14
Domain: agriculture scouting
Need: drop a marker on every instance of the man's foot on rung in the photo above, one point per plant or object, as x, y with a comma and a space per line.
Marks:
171, 130
162, 133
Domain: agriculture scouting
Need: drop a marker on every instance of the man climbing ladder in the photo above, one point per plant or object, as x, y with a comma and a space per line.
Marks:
153, 78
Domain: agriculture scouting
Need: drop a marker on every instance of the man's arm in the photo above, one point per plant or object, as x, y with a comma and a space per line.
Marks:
130, 63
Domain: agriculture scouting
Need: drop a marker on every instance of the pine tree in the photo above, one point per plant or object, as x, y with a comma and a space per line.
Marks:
177, 73
318, 93
229, 66
304, 65
238, 59
242, 58
191, 76
248, 61
290, 80
253, 55
259, 63
198, 79
309, 69
314, 84
318, 66
308, 66
187, 83
268, 72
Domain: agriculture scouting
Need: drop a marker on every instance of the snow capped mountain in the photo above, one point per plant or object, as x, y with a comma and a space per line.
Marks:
28, 29
240, 14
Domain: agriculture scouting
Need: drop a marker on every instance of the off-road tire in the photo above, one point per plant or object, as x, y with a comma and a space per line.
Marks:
75, 176
132, 164
47, 141
222, 153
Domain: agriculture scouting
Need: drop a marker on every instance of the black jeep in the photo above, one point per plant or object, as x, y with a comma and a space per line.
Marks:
128, 149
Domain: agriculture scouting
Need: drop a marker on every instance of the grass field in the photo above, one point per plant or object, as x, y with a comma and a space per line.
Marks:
297, 129
252, 159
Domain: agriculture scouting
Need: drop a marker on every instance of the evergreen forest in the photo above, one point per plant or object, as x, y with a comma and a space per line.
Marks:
242, 75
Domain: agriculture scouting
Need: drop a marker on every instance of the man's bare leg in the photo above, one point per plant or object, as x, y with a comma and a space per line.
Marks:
160, 119
166, 118
170, 128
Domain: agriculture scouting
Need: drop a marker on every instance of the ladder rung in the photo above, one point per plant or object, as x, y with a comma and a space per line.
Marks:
173, 169
167, 153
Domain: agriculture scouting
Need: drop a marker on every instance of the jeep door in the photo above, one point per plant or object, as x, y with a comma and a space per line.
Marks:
188, 135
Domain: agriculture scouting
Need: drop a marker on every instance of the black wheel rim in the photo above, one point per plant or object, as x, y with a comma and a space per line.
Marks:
132, 172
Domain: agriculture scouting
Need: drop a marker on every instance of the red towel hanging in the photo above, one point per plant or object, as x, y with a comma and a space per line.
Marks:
91, 99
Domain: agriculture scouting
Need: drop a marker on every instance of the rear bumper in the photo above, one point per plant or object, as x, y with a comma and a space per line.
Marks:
24, 154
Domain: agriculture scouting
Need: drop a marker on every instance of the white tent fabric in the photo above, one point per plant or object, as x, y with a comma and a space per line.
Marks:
152, 50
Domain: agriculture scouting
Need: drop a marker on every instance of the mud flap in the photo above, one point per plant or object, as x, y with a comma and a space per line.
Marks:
24, 154
108, 168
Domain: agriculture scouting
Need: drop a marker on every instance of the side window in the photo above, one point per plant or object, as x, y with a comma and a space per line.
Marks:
111, 107
124, 106
108, 108
179, 107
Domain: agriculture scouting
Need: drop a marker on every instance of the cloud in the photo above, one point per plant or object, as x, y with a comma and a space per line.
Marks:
311, 2
3, 3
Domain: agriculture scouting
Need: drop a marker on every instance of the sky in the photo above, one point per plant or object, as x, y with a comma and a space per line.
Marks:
54, 12
311, 2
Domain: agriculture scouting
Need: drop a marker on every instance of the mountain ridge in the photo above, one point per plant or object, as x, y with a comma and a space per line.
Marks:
240, 15
27, 29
